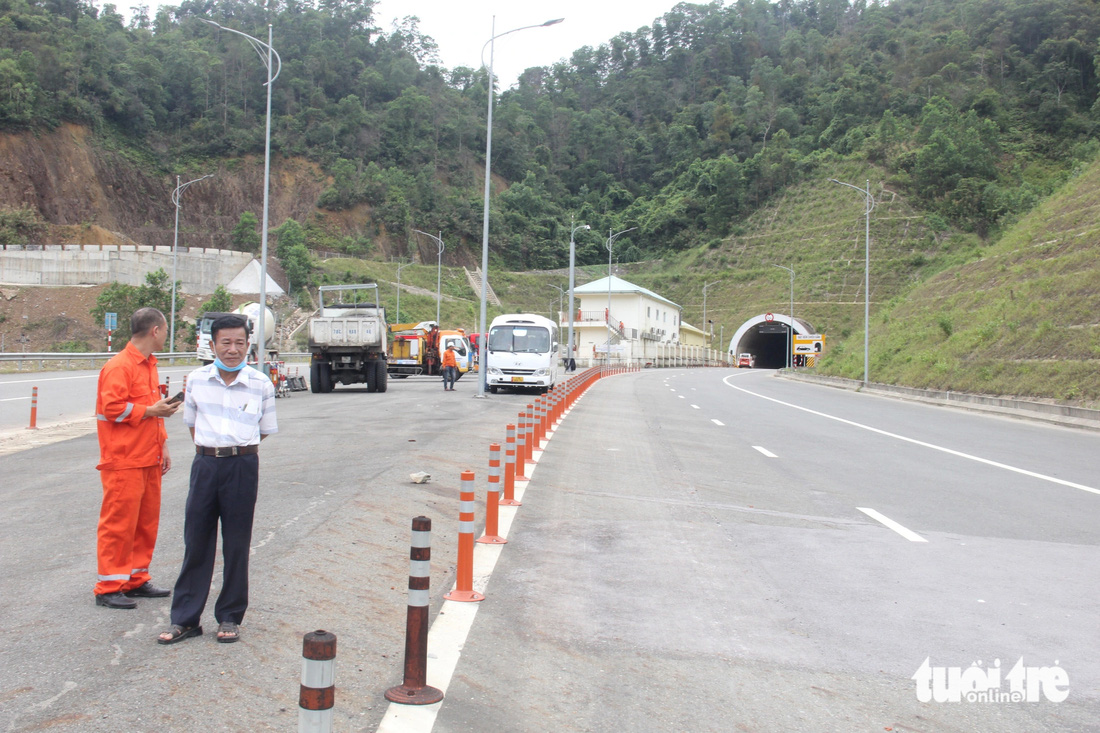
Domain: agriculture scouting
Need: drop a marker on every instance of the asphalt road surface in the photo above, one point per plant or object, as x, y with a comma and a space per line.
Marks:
698, 550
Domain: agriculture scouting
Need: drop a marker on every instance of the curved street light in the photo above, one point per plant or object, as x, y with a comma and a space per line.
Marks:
611, 241
438, 270
705, 332
180, 188
790, 329
561, 296
572, 279
397, 319
482, 373
869, 201
265, 51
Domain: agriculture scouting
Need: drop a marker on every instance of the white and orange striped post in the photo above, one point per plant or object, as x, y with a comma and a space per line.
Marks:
510, 469
34, 409
540, 422
521, 448
492, 500
415, 689
464, 582
317, 693
531, 437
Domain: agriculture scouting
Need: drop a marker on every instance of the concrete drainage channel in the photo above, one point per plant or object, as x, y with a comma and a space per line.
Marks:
1066, 415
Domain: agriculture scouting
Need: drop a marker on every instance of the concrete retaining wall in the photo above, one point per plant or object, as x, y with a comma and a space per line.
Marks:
199, 271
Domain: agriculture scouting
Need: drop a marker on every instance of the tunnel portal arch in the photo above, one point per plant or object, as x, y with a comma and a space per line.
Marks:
769, 349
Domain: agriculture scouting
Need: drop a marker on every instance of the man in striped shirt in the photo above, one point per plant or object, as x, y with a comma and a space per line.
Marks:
229, 408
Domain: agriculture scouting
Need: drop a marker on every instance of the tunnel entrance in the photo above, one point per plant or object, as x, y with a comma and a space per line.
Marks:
766, 339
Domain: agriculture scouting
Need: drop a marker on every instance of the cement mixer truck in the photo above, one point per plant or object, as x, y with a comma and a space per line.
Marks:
251, 311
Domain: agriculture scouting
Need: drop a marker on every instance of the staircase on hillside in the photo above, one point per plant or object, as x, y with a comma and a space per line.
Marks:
475, 282
284, 333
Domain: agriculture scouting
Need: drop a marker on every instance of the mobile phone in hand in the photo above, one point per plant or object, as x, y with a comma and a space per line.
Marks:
176, 398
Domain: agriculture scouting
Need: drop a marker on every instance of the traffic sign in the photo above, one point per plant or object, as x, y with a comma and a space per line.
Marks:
813, 343
769, 317
110, 321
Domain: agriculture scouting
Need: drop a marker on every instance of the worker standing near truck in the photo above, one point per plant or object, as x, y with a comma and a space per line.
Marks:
450, 368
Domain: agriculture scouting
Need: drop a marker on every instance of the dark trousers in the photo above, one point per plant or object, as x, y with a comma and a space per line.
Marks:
221, 489
450, 374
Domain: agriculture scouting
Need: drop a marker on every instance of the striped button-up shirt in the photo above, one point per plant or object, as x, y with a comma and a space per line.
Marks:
225, 415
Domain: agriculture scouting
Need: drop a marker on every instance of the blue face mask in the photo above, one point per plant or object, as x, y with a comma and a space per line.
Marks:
224, 368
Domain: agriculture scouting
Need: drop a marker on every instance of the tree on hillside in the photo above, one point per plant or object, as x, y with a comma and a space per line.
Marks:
125, 299
292, 253
246, 235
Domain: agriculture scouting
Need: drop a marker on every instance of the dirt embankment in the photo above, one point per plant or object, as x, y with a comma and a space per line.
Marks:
89, 194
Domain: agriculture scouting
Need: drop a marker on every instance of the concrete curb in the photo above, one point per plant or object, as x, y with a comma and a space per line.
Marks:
1066, 415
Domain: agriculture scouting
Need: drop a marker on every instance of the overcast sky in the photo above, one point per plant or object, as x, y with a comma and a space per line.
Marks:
460, 29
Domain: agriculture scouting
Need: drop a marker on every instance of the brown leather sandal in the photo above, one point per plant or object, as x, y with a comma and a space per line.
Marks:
178, 633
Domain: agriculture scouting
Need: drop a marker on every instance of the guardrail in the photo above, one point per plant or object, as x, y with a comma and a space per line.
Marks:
38, 360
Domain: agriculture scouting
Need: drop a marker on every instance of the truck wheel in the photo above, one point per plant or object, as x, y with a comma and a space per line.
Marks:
493, 390
315, 377
370, 376
324, 376
381, 376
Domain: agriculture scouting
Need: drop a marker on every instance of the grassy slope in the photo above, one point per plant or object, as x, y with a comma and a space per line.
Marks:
1022, 320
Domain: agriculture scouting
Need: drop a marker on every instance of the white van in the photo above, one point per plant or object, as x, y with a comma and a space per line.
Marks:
522, 352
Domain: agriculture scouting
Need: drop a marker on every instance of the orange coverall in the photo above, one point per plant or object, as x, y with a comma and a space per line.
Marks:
131, 451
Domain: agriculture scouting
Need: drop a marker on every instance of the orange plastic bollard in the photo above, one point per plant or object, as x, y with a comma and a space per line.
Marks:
492, 500
510, 469
464, 583
415, 689
521, 448
532, 434
34, 409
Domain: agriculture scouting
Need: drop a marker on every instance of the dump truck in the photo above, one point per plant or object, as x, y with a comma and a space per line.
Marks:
417, 348
347, 341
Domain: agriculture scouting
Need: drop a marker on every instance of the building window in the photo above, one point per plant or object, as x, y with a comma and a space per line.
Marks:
648, 313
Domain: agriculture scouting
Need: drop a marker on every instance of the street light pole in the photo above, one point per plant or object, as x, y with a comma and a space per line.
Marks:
260, 47
705, 308
180, 188
397, 319
869, 202
610, 241
438, 269
482, 373
561, 296
790, 316
572, 278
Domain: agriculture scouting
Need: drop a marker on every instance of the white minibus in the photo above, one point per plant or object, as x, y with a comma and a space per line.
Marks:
522, 352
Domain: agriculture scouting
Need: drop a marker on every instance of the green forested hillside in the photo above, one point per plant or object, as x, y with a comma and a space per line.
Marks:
975, 109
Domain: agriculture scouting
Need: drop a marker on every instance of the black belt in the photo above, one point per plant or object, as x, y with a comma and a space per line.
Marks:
233, 450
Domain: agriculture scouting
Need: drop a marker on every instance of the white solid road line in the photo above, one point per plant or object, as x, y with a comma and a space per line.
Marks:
451, 627
922, 443
695, 407
719, 423
886, 521
765, 451
14, 399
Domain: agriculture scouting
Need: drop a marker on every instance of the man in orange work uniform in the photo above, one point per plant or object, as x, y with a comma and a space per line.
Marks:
450, 369
133, 455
